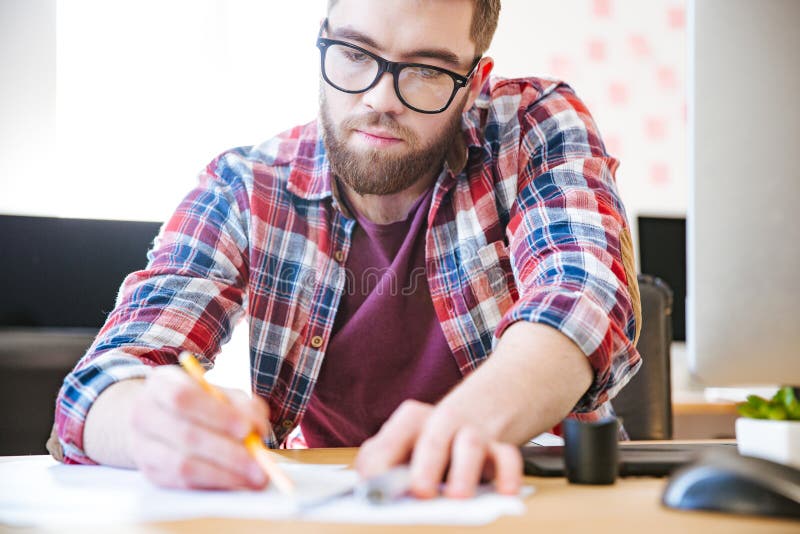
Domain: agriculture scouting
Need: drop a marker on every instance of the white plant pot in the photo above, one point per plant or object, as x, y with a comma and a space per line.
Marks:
778, 441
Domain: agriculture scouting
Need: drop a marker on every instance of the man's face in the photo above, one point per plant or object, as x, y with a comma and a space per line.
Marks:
376, 144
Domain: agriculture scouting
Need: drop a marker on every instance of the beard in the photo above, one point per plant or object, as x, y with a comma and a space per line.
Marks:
378, 172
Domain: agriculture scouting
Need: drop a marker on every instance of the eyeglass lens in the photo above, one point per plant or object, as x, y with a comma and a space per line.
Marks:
422, 88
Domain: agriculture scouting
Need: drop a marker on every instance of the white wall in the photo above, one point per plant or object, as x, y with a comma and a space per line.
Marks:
627, 60
27, 99
149, 91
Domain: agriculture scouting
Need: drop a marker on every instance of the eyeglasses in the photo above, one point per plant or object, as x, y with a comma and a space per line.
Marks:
423, 88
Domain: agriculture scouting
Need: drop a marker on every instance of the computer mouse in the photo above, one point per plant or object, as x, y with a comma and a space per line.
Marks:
725, 481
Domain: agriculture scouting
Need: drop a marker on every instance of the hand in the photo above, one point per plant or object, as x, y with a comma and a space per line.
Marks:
433, 438
182, 437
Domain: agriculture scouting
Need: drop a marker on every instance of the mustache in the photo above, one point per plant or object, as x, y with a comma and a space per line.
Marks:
384, 121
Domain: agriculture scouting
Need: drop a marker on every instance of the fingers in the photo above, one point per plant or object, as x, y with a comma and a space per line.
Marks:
177, 392
507, 460
432, 454
194, 443
166, 467
393, 444
183, 437
436, 442
468, 456
473, 455
254, 409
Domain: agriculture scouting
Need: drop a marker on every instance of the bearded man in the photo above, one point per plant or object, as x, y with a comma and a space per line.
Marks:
436, 270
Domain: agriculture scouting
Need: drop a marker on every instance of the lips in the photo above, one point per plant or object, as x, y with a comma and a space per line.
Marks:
379, 134
379, 139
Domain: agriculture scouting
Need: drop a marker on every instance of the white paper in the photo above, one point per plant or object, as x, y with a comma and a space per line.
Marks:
37, 491
547, 439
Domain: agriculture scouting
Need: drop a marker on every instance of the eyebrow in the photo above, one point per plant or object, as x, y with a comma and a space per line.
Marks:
442, 54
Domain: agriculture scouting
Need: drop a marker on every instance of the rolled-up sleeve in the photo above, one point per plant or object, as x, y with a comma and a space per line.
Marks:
188, 297
570, 245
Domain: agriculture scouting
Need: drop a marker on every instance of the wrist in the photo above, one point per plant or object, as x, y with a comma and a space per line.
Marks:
107, 430
471, 404
530, 382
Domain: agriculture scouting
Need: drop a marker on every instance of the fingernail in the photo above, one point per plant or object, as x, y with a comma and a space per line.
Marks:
424, 489
509, 489
256, 474
368, 469
465, 492
369, 466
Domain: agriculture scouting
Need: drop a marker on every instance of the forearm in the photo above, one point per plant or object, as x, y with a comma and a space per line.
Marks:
532, 380
180, 300
107, 432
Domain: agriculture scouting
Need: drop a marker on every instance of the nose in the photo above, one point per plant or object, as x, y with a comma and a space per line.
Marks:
382, 97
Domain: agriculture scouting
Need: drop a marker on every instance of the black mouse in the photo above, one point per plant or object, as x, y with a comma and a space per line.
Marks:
731, 483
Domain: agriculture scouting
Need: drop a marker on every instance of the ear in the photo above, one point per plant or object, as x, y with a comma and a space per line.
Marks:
482, 72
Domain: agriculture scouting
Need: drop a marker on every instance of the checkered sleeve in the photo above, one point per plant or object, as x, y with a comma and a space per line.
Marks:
188, 297
570, 245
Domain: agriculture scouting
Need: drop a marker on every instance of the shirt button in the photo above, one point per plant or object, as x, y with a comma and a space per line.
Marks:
316, 341
338, 256
287, 424
449, 305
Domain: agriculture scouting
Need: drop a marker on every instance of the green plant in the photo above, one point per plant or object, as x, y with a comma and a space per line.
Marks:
784, 405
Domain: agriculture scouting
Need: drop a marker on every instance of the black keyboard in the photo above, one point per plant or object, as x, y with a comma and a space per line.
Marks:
635, 459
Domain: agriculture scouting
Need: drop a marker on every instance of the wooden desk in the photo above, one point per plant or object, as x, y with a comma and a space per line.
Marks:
631, 505
704, 408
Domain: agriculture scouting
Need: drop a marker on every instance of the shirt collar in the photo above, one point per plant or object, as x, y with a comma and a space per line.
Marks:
310, 174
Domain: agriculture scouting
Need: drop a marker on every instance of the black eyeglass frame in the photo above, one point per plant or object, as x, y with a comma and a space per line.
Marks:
394, 68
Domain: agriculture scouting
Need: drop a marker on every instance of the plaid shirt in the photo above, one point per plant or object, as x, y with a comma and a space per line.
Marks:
525, 224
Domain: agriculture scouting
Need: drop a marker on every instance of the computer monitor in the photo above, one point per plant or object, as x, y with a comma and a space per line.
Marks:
662, 253
743, 221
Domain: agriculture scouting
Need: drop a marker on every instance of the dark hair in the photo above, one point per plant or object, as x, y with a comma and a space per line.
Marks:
484, 22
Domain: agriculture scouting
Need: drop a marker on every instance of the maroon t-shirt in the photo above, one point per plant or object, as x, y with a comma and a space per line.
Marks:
387, 344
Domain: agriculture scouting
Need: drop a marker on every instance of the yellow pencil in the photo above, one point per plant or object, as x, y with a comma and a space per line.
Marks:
252, 442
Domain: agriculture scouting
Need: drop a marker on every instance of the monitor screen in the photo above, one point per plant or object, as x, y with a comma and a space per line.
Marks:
743, 225
662, 253
66, 272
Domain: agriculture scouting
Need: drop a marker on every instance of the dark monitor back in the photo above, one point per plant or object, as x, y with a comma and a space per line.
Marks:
662, 253
66, 272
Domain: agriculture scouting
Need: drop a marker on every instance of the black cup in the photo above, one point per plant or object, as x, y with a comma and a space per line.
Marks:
590, 451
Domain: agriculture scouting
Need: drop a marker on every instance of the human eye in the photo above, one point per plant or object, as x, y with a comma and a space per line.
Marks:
355, 56
427, 73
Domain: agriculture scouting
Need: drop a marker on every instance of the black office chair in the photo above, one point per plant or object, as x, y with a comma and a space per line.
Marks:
645, 403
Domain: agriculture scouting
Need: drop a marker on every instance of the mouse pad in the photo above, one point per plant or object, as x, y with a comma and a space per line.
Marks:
635, 459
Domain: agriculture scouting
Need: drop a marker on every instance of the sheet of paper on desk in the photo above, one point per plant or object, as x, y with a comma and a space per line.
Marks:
37, 491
